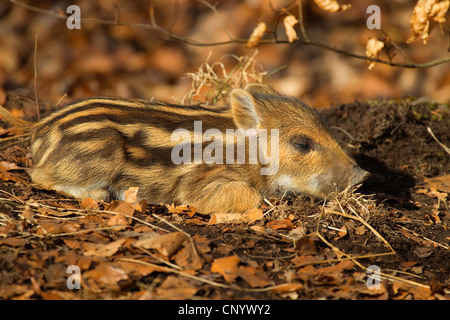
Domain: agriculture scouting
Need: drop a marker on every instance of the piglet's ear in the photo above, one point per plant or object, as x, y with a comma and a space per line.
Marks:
243, 109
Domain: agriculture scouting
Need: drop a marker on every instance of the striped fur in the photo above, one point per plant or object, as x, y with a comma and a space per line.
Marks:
99, 147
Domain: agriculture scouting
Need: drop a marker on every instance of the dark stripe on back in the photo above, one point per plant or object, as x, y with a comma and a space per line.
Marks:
144, 107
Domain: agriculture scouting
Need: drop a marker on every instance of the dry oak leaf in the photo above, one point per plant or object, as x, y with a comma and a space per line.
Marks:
373, 48
225, 217
89, 203
103, 250
166, 244
248, 216
187, 258
140, 269
227, 267
7, 176
174, 288
280, 224
255, 277
256, 35
254, 214
332, 5
425, 14
439, 187
131, 197
121, 207
289, 22
131, 194
107, 275
189, 210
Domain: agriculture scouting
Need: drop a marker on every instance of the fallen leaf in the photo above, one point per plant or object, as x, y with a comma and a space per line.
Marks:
183, 209
255, 277
72, 244
6, 166
140, 269
297, 233
360, 230
174, 288
280, 224
13, 241
418, 269
120, 206
253, 214
118, 220
227, 267
29, 214
89, 203
103, 250
166, 244
70, 227
187, 258
341, 266
305, 246
438, 187
406, 265
108, 275
341, 233
131, 195
6, 176
196, 221
304, 260
223, 217
424, 252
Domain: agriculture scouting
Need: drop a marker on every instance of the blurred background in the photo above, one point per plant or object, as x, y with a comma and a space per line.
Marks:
130, 61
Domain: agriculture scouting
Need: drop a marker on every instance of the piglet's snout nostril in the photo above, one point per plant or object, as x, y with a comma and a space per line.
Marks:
359, 176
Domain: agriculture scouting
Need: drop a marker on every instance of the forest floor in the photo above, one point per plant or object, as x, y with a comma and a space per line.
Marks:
387, 240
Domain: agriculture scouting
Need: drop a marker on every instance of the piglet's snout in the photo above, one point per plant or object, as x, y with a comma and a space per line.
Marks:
359, 176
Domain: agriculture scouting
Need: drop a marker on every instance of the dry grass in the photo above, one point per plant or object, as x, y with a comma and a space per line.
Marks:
212, 82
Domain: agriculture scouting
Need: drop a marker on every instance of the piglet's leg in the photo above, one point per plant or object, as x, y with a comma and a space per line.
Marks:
225, 196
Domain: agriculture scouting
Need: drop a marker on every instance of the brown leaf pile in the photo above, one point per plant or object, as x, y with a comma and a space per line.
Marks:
117, 245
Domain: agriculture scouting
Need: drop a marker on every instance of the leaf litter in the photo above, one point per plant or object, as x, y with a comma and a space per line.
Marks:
292, 247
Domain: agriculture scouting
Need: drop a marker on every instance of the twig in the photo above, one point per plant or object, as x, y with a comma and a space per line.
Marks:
447, 149
216, 13
300, 22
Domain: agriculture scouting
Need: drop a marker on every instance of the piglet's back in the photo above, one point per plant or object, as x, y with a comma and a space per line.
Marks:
99, 146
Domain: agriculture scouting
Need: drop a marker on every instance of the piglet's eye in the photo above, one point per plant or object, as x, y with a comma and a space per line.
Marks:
303, 144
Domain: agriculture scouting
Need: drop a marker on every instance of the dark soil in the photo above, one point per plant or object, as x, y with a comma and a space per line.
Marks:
388, 138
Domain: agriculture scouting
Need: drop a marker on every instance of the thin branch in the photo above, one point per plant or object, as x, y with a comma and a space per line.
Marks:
216, 13
170, 34
447, 149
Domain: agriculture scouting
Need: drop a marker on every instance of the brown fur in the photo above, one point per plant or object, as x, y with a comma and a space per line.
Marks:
99, 147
